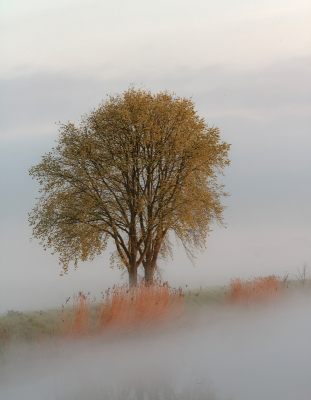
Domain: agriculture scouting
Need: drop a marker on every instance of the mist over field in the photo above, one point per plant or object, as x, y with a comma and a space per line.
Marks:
238, 353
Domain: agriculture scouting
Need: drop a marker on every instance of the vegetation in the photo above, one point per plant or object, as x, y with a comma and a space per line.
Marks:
303, 275
256, 290
261, 290
123, 310
137, 169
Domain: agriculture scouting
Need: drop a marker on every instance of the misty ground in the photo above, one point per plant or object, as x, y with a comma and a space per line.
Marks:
215, 351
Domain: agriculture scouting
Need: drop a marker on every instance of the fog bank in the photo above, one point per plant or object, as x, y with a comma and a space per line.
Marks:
219, 353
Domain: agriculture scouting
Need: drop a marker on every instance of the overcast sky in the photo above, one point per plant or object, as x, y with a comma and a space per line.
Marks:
246, 65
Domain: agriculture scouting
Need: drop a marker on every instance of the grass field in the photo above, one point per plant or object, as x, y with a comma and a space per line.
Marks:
123, 311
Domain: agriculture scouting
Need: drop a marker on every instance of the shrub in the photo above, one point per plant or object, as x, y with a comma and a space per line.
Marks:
12, 313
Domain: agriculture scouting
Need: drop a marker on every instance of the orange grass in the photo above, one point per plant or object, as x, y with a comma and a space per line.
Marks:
75, 320
252, 291
122, 309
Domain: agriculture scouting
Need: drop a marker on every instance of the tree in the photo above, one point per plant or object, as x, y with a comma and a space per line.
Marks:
135, 170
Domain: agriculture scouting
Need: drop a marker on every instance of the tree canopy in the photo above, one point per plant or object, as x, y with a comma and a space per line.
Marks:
139, 167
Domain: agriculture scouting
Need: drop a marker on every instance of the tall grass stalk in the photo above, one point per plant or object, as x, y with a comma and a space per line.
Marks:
254, 291
122, 309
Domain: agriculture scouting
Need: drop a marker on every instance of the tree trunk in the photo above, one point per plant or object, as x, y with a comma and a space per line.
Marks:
133, 277
149, 274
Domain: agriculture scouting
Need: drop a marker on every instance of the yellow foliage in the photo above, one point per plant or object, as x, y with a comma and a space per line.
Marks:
136, 169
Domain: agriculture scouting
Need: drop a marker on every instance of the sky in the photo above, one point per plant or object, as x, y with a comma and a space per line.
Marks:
246, 65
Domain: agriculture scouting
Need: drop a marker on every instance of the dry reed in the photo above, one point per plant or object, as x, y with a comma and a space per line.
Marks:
254, 291
122, 309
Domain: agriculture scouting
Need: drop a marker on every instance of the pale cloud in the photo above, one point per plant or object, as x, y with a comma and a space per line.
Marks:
155, 37
276, 95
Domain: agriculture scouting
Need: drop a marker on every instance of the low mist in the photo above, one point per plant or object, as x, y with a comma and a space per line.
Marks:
215, 353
